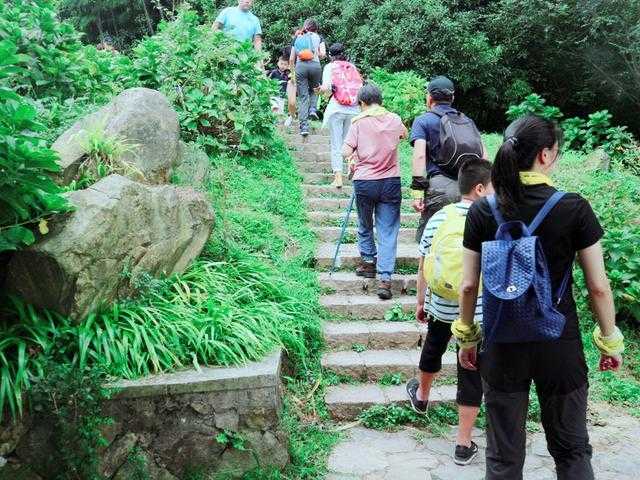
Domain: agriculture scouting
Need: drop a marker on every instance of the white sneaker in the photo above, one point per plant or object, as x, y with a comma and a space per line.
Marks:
288, 121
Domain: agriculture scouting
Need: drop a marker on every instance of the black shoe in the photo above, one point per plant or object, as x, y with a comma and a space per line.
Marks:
304, 131
313, 115
465, 455
417, 405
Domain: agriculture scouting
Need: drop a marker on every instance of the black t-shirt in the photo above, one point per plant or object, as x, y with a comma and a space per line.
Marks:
282, 78
569, 227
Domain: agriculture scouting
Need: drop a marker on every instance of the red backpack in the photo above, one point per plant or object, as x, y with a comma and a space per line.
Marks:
346, 81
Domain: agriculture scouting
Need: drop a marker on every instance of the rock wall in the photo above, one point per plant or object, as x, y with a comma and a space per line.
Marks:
172, 421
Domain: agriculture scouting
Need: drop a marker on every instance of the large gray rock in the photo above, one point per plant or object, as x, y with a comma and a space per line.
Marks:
597, 160
118, 226
142, 118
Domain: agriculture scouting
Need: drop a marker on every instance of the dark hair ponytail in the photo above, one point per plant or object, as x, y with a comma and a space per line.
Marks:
523, 140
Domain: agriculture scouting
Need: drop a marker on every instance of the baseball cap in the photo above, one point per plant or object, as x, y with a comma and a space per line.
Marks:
441, 84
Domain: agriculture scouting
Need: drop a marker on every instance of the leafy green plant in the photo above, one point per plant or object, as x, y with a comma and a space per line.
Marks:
389, 379
233, 440
402, 92
103, 155
28, 195
397, 314
390, 417
534, 104
71, 400
221, 98
358, 347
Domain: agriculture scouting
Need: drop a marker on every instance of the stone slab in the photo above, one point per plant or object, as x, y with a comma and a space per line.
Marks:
372, 365
265, 373
373, 335
365, 307
331, 234
407, 255
336, 218
348, 282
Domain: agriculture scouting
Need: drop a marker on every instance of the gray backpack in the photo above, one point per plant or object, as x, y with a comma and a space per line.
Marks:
459, 141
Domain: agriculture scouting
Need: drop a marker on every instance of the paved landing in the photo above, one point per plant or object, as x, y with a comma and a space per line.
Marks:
410, 454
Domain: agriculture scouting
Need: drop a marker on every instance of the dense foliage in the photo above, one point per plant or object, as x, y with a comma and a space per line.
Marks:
587, 134
27, 192
213, 82
249, 292
581, 56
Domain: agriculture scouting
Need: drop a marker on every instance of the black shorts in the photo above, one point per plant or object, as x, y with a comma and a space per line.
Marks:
435, 345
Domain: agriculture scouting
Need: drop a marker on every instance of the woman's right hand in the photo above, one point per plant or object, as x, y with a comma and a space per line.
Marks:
610, 362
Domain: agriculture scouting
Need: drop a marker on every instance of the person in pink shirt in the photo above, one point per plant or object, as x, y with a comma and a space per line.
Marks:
372, 146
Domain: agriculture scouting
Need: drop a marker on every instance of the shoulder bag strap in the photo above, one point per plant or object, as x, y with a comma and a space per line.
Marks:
544, 211
495, 210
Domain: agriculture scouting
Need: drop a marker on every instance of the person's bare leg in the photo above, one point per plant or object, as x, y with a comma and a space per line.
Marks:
467, 419
426, 380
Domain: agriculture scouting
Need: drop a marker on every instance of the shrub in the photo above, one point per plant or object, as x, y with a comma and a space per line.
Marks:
27, 193
403, 92
586, 135
221, 96
533, 104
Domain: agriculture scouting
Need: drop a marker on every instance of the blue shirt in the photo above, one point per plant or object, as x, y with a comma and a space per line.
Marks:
427, 127
239, 24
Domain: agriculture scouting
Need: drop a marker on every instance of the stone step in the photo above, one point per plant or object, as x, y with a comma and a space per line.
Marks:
374, 335
372, 365
341, 204
365, 307
329, 191
326, 203
349, 282
313, 139
327, 218
407, 255
305, 156
321, 178
331, 234
346, 402
315, 167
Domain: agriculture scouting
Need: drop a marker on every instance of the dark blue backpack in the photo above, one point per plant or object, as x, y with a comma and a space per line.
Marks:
518, 303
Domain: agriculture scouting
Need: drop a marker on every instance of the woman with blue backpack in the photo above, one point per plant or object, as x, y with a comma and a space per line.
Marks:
524, 241
307, 51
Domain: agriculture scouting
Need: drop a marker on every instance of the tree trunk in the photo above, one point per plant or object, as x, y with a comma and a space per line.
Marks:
147, 16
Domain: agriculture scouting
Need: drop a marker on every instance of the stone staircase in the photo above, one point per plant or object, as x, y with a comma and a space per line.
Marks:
362, 347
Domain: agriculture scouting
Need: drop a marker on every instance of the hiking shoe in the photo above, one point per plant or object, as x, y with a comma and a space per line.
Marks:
412, 390
313, 115
384, 290
465, 455
366, 269
304, 132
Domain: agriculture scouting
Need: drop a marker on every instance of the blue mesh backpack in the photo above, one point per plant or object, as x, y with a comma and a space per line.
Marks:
518, 302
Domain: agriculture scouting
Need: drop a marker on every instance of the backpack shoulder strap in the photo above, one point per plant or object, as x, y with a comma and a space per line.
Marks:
544, 211
495, 210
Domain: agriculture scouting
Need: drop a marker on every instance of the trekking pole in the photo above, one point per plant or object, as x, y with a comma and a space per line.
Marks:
345, 222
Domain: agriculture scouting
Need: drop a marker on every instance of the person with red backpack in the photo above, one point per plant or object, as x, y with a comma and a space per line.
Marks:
307, 51
342, 81
443, 139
